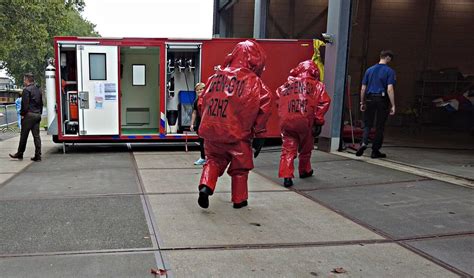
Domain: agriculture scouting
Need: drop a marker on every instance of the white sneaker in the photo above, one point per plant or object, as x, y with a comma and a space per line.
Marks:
200, 161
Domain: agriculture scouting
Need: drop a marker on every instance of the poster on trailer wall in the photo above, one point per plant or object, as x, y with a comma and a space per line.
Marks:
110, 91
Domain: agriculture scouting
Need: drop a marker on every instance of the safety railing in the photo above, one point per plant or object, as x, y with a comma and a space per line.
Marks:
8, 118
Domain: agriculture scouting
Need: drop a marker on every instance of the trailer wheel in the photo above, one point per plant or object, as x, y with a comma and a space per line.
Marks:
56, 139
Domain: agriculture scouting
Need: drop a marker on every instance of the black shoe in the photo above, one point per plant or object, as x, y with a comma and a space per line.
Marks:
36, 158
240, 205
378, 154
204, 194
361, 150
287, 182
306, 174
16, 156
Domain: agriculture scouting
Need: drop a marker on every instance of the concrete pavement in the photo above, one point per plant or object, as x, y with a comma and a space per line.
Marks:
120, 211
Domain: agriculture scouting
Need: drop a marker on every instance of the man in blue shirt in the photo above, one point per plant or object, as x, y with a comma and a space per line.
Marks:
377, 101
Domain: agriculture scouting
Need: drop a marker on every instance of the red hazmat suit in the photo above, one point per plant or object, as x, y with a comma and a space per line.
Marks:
235, 108
303, 101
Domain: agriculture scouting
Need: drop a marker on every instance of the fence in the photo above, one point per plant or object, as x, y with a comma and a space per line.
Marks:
8, 117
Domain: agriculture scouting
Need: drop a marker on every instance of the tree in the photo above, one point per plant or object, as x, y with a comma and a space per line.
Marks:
27, 30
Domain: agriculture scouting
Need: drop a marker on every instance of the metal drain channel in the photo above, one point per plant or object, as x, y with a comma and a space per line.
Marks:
160, 262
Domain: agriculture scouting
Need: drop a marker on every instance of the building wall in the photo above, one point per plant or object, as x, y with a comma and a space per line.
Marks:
297, 19
283, 21
453, 40
242, 19
402, 25
399, 25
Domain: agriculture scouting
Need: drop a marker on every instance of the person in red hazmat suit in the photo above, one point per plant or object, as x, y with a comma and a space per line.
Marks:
235, 108
303, 101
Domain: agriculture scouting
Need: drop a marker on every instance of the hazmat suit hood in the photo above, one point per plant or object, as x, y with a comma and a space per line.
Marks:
305, 69
247, 54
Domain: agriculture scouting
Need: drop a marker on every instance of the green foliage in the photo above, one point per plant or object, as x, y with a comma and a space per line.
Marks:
27, 30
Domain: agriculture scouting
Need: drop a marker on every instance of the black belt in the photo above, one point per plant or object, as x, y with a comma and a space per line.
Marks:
375, 95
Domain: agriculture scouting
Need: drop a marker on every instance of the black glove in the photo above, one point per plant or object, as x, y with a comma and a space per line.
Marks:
316, 130
257, 145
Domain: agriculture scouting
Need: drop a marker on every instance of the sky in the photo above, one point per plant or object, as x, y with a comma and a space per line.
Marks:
151, 18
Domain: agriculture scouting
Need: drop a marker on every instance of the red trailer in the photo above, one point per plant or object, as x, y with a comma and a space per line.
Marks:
142, 89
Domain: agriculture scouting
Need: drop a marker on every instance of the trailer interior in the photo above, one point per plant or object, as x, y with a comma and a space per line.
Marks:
141, 106
139, 90
183, 71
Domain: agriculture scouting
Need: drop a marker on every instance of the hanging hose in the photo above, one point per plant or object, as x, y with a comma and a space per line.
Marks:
186, 79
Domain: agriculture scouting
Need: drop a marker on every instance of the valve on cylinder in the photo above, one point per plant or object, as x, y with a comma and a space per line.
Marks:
170, 65
170, 87
179, 63
189, 65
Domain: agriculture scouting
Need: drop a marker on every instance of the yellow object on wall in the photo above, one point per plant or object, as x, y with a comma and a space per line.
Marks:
317, 57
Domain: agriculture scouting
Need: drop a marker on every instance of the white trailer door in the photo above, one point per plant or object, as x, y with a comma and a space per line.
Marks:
97, 76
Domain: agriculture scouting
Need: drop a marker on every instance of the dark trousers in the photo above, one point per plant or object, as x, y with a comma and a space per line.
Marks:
30, 122
201, 148
377, 108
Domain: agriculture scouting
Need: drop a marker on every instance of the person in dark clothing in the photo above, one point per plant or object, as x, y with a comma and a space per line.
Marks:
377, 101
196, 120
31, 110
